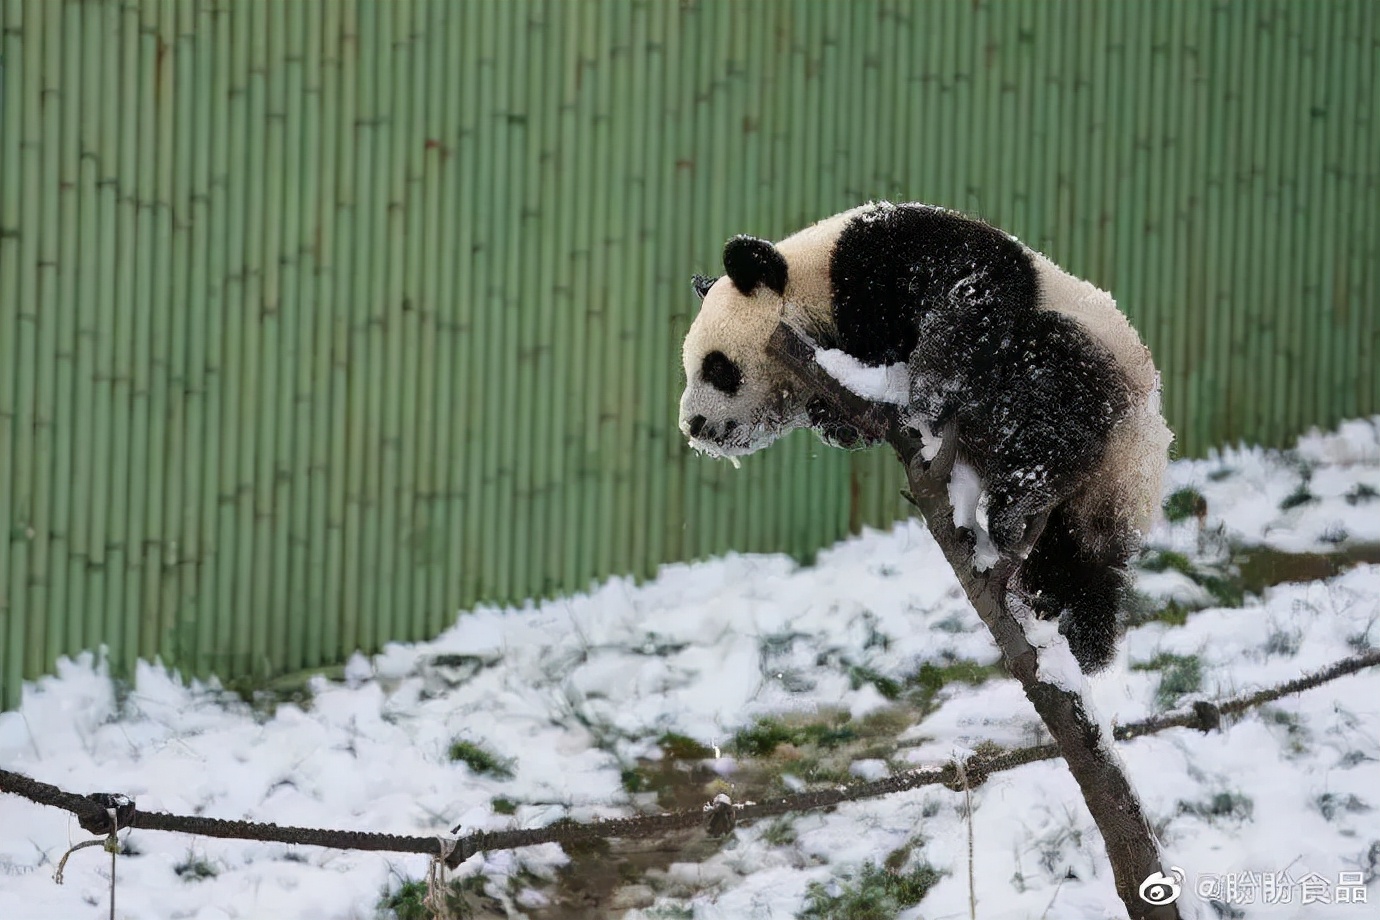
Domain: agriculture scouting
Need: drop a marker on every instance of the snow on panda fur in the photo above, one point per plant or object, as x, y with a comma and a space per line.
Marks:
1050, 392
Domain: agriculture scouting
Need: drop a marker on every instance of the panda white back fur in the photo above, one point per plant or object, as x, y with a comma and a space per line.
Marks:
1050, 392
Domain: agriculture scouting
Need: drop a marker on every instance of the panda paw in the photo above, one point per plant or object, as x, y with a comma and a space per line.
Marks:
1007, 529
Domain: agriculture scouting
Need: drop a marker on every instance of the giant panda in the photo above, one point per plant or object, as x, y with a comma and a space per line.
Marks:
1052, 396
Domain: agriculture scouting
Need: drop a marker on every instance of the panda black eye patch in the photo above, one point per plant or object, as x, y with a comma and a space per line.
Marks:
721, 373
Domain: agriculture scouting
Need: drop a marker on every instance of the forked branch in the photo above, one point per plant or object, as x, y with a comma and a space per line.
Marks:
1066, 711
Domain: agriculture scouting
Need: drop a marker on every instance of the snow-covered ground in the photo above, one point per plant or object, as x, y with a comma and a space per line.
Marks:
573, 695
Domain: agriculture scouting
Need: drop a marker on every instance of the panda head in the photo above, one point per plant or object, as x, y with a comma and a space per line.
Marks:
737, 400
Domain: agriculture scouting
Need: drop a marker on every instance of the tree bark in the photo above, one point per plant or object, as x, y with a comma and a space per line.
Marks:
1067, 713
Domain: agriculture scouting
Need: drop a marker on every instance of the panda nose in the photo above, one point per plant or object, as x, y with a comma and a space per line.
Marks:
696, 425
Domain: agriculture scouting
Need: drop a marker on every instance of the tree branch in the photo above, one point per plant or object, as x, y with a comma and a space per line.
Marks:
1066, 712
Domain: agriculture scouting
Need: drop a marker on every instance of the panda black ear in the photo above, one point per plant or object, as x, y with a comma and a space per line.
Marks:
702, 285
750, 262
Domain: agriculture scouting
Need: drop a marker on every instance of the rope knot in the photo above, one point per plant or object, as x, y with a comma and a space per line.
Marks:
1207, 717
722, 816
117, 812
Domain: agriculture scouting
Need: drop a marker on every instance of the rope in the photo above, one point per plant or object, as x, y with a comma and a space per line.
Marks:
104, 813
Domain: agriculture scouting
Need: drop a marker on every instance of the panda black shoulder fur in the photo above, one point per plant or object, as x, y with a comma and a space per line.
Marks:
1052, 396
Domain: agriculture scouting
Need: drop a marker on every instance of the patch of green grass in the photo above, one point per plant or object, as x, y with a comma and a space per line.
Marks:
503, 805
1224, 587
1183, 504
1162, 560
1172, 614
875, 893
1330, 804
407, 903
779, 833
931, 677
681, 747
1295, 734
1361, 493
1141, 609
768, 734
1229, 805
480, 760
1179, 674
265, 695
678, 777
1300, 496
195, 869
814, 770
634, 781
888, 687
1283, 643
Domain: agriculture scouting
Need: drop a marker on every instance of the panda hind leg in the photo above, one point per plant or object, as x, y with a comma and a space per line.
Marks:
1086, 590
1016, 497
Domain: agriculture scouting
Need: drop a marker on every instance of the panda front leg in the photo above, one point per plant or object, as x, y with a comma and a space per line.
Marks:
1027, 477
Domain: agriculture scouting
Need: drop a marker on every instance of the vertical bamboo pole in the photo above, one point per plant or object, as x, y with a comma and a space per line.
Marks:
271, 331
519, 310
25, 636
208, 281
1183, 260
1216, 209
375, 612
164, 560
677, 248
340, 58
1293, 300
329, 341
485, 319
593, 304
233, 639
121, 265
359, 134
1363, 246
47, 621
257, 333
502, 428
560, 37
295, 598
432, 558
158, 333
130, 494
1248, 328
572, 328
620, 274
415, 497
11, 620
389, 333
65, 616
474, 238
453, 363
1336, 385
540, 214
103, 607
660, 358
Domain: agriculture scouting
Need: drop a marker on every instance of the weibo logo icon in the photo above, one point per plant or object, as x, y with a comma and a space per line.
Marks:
1161, 889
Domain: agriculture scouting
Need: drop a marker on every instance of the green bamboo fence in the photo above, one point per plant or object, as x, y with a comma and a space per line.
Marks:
322, 321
